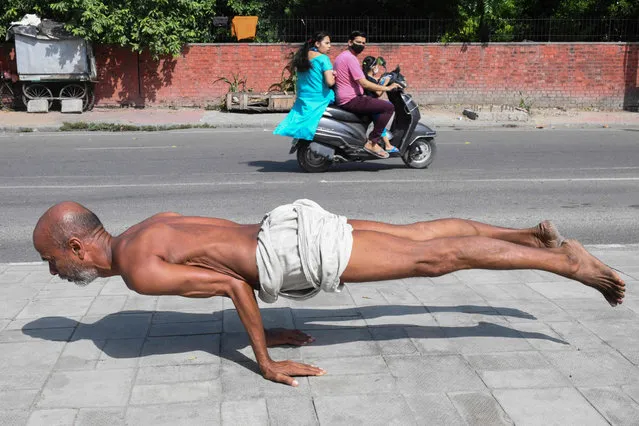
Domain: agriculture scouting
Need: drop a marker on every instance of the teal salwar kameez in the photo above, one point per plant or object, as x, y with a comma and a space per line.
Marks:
313, 96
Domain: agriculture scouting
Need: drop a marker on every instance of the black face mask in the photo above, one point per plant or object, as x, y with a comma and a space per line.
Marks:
357, 48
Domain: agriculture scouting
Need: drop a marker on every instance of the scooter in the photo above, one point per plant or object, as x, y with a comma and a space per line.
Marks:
341, 135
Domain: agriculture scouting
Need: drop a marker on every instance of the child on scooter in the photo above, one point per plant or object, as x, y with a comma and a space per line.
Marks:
370, 66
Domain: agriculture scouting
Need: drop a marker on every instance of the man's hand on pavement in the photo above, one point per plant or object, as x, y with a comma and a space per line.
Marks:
284, 371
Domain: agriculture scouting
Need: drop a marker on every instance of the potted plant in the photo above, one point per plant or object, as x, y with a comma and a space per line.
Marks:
283, 92
239, 97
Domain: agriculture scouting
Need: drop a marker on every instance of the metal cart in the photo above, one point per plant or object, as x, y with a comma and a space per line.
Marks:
53, 64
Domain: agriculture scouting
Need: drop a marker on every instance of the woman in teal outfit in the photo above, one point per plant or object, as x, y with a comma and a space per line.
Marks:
314, 81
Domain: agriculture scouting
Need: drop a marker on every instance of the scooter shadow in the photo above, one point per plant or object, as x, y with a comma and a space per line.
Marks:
366, 166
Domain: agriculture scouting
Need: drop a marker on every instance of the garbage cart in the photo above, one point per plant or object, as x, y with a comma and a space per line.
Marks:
53, 64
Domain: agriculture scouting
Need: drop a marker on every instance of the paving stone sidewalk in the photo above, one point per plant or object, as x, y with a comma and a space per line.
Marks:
474, 347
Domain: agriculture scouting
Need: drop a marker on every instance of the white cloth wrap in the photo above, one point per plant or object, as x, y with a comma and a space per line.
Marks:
302, 249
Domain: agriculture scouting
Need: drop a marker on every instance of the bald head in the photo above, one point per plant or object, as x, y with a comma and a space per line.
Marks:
63, 221
64, 238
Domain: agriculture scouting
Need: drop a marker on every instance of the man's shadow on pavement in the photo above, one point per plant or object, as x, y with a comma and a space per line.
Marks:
162, 328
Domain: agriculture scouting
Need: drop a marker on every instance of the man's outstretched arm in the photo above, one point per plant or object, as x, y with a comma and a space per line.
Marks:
277, 371
158, 277
285, 336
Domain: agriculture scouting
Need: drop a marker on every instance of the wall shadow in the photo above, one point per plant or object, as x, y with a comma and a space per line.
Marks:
157, 73
118, 76
129, 78
631, 63
129, 326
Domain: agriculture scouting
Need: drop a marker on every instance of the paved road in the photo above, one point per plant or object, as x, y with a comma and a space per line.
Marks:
469, 348
585, 180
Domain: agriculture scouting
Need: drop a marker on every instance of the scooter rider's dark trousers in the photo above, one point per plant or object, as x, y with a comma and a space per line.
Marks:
370, 106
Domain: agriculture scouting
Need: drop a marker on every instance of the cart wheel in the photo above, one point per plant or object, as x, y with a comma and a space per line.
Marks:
78, 91
36, 91
73, 91
6, 95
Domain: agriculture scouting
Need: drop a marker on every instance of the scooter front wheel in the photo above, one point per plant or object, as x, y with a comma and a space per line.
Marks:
309, 161
420, 154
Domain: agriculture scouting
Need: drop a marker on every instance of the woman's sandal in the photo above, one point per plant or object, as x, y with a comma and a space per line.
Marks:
378, 154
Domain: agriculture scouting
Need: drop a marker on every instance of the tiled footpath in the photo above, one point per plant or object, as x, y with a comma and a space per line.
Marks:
474, 347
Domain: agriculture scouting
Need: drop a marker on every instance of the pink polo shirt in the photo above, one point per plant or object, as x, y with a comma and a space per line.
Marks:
347, 72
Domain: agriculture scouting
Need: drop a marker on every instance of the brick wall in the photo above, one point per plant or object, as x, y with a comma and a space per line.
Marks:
544, 74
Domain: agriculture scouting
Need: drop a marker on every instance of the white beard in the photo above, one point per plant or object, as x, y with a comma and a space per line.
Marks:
81, 277
86, 278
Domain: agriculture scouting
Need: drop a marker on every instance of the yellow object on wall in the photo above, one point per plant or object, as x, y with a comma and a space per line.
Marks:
244, 27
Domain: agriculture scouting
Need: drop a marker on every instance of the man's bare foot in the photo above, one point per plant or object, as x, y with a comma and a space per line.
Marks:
547, 235
592, 272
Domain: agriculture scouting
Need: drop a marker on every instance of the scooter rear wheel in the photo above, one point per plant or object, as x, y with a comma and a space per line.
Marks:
309, 161
420, 154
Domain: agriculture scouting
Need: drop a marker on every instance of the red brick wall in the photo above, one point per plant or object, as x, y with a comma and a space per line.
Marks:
546, 74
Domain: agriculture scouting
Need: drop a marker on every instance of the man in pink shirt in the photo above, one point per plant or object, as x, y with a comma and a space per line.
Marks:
350, 83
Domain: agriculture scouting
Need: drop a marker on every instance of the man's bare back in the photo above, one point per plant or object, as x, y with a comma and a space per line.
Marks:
219, 245
170, 254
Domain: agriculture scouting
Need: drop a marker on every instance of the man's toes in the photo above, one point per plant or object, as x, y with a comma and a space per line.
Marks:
619, 290
612, 300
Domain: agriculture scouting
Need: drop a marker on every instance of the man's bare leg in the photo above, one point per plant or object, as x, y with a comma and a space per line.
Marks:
404, 258
544, 234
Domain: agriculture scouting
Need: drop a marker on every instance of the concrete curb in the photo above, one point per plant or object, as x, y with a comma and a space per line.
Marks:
439, 119
436, 126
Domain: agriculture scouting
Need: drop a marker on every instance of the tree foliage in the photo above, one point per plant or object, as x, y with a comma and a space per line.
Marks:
164, 26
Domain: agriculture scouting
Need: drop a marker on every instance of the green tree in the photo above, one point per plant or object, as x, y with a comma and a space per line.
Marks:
479, 20
162, 26
269, 12
11, 11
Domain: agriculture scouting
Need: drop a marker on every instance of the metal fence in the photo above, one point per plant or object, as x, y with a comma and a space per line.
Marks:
417, 30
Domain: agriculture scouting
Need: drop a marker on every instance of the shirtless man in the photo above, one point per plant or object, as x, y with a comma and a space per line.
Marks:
296, 251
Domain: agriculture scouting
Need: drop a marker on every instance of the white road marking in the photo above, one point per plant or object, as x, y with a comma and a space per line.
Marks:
35, 135
261, 173
288, 182
613, 246
629, 179
126, 185
121, 176
606, 168
108, 148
